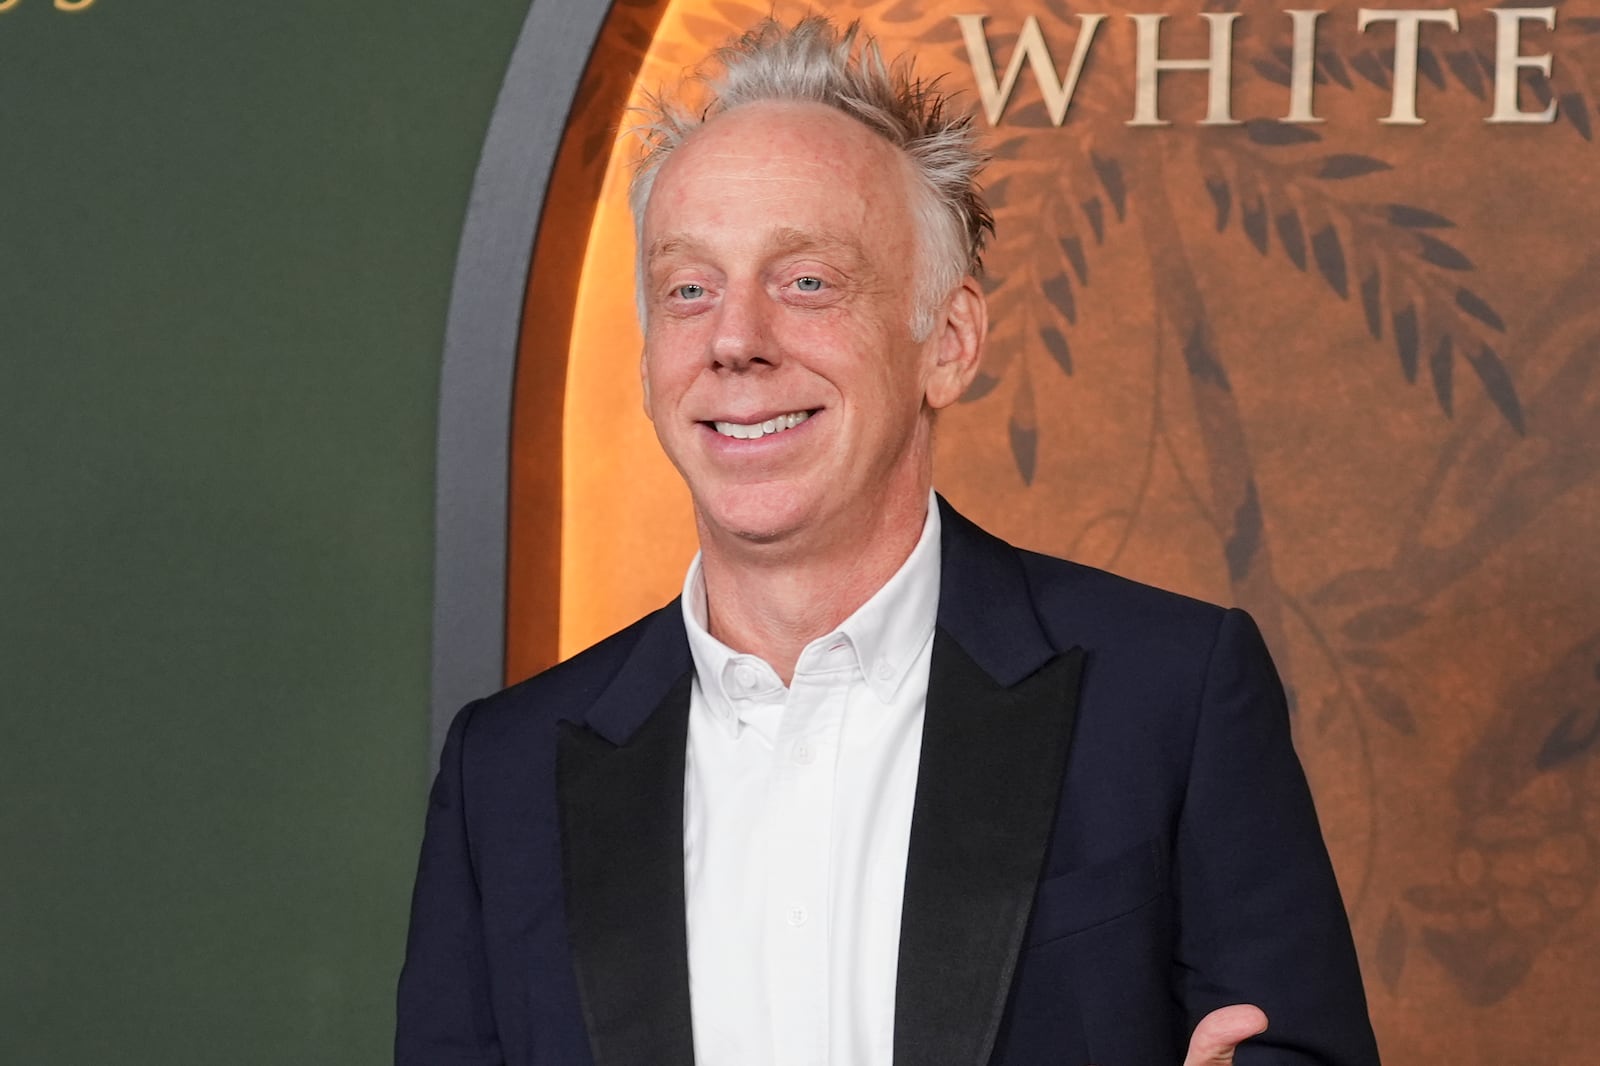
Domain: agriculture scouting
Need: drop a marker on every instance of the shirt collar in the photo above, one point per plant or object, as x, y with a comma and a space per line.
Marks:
887, 633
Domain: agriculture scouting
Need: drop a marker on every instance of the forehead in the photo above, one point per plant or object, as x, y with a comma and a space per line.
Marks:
791, 171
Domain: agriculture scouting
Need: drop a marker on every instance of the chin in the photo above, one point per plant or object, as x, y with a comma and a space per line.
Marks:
755, 516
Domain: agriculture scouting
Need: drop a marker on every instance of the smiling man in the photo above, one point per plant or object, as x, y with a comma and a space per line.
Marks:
878, 787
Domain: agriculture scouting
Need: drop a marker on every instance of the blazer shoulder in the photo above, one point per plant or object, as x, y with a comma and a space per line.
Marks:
1084, 604
565, 691
1120, 620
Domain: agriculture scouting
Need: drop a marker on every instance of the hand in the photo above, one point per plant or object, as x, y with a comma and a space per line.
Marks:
1221, 1031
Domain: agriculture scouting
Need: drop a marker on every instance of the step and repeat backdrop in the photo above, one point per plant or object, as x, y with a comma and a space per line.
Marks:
1293, 309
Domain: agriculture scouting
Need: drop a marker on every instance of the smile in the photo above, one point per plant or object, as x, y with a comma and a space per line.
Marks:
757, 430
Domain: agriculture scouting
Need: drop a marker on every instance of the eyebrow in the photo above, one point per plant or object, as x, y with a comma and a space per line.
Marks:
670, 245
784, 241
787, 241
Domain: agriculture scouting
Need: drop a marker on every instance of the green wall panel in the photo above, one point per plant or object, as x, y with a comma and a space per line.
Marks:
227, 231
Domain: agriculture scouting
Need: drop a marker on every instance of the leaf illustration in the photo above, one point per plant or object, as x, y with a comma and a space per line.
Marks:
1274, 72
1058, 290
1428, 66
1416, 218
982, 385
1276, 134
1441, 254
1391, 953
1369, 657
1330, 62
1486, 964
1383, 622
1096, 215
1202, 361
1080, 265
1498, 384
1465, 68
1539, 85
1109, 171
1350, 165
1439, 899
1370, 287
1056, 344
1405, 340
1354, 586
1577, 112
1245, 539
1441, 368
1389, 706
904, 11
1368, 66
1034, 116
1222, 197
1023, 431
1009, 148
1292, 237
1329, 255
1254, 221
1478, 308
1575, 734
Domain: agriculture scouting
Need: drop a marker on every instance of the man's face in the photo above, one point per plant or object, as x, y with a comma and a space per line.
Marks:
779, 366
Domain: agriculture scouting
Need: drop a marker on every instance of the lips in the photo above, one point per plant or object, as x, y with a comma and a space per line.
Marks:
763, 428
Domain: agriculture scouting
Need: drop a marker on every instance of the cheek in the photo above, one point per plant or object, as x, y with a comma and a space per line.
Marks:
665, 371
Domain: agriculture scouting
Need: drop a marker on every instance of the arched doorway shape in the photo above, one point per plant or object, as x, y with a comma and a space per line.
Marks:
524, 204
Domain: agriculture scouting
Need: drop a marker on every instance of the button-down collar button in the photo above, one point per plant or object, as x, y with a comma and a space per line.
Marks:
744, 676
885, 671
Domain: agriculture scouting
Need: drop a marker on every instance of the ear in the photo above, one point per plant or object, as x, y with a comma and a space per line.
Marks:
644, 379
957, 338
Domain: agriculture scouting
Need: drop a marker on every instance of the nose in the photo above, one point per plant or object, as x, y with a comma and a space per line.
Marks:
742, 335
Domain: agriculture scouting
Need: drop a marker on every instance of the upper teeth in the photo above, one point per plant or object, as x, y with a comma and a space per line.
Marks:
757, 430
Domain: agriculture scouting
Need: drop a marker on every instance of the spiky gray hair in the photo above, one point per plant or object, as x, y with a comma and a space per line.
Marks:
814, 60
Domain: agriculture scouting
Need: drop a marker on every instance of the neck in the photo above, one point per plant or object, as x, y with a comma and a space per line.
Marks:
773, 603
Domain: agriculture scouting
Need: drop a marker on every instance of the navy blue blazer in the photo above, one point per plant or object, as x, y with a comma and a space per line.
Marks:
1111, 837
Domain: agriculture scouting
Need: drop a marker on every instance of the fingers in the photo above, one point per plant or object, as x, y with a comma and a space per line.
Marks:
1221, 1031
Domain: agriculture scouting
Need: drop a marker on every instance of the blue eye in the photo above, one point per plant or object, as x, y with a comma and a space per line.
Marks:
808, 284
690, 291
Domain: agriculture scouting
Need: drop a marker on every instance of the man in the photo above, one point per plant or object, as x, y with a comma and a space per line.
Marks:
879, 787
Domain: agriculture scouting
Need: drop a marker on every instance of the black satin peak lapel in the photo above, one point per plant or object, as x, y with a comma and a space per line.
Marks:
987, 792
622, 851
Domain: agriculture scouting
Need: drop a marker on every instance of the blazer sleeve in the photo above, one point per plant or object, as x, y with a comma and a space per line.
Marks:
1260, 919
443, 1013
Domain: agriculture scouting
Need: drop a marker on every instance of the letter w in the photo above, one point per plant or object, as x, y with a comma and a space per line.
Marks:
1030, 46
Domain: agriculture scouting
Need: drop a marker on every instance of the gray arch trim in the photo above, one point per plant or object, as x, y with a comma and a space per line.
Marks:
480, 351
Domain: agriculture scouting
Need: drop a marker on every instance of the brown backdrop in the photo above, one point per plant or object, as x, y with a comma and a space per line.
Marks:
1345, 374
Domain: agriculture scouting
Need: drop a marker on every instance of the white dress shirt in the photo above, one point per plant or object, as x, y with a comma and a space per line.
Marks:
797, 815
